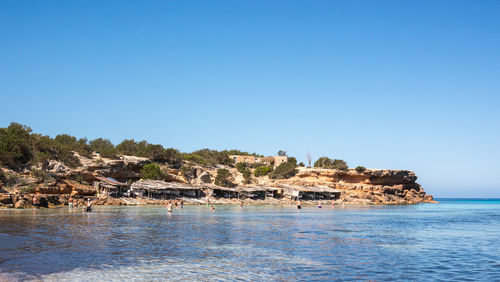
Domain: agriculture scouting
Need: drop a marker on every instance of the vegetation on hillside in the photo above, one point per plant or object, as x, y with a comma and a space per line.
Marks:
262, 170
151, 171
209, 157
224, 178
283, 171
154, 152
325, 162
241, 153
360, 169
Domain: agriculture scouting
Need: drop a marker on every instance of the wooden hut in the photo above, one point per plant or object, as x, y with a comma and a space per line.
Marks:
258, 192
110, 187
224, 192
310, 192
166, 190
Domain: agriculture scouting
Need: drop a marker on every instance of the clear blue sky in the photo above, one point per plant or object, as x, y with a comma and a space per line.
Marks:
385, 84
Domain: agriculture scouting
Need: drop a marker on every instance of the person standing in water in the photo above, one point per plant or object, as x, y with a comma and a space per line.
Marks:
319, 205
169, 207
35, 202
89, 206
299, 205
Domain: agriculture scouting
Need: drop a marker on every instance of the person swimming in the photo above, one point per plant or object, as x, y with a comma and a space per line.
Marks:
212, 207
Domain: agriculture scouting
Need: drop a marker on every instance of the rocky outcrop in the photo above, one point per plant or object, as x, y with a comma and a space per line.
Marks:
125, 168
368, 187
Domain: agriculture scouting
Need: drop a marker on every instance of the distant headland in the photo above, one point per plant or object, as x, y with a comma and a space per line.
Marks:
35, 168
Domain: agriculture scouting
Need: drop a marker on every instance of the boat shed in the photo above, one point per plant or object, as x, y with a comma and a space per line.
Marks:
109, 186
310, 192
158, 189
258, 192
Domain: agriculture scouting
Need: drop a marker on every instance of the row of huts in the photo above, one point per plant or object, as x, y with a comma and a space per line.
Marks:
157, 189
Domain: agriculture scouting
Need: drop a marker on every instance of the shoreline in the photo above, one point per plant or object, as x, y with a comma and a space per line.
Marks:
52, 201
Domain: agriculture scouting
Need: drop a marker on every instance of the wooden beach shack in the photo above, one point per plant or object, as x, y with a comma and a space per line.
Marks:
310, 192
109, 186
158, 189
258, 192
223, 192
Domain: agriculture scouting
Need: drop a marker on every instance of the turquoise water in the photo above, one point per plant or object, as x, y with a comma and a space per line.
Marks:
452, 240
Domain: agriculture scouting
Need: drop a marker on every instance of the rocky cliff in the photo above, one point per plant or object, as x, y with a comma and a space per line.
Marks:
368, 187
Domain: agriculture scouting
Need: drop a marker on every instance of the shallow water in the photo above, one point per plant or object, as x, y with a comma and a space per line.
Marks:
452, 240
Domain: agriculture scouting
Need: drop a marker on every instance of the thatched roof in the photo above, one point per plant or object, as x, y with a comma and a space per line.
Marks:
256, 188
161, 185
110, 181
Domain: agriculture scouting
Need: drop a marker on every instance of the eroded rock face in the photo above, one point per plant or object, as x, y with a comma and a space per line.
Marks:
6, 200
123, 169
368, 187
23, 204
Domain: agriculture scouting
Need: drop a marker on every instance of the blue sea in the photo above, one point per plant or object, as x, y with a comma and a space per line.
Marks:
457, 239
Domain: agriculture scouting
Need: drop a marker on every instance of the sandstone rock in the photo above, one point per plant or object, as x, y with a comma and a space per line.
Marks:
5, 199
23, 204
205, 177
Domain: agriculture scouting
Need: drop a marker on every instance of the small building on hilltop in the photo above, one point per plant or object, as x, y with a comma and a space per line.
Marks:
279, 160
245, 159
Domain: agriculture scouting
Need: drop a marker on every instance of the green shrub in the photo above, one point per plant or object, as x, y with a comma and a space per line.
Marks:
130, 148
104, 147
292, 160
241, 153
69, 143
262, 170
191, 157
360, 169
241, 167
247, 176
325, 162
209, 157
224, 178
151, 171
15, 146
302, 164
283, 171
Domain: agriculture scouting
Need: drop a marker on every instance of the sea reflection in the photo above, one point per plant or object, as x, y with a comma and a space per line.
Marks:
451, 240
